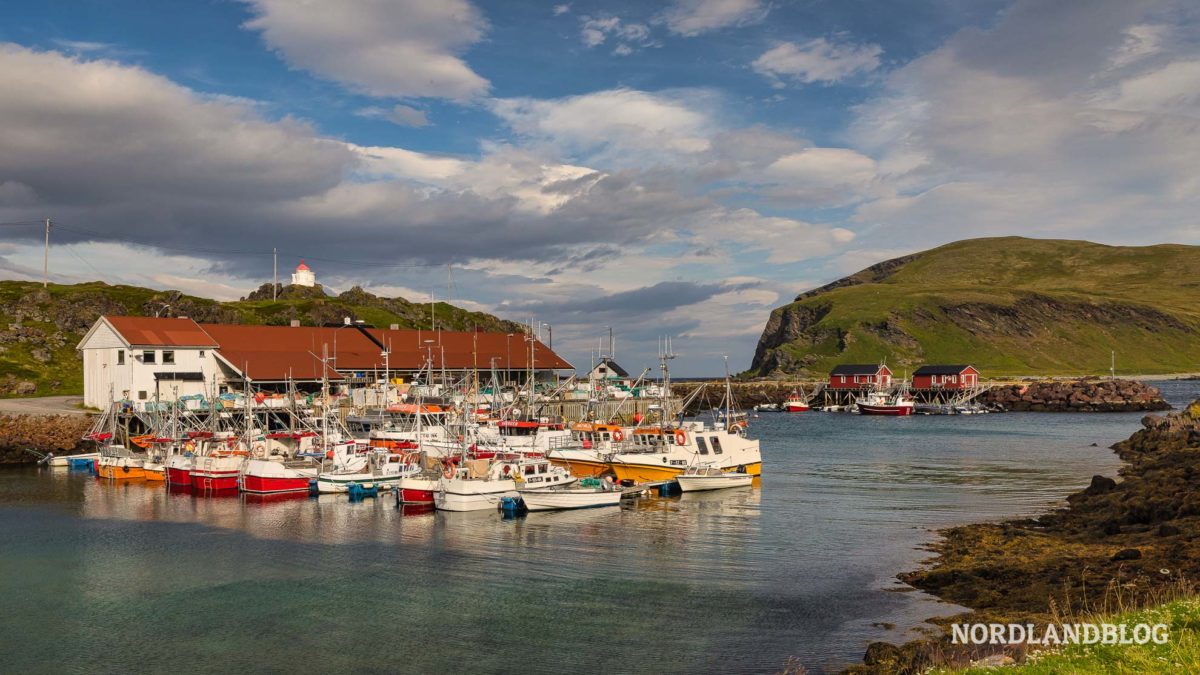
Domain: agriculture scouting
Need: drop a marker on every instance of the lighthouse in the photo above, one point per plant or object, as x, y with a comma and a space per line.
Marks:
303, 276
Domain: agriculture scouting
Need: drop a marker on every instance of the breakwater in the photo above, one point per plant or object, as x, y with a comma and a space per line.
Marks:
1129, 542
1085, 395
1081, 395
44, 433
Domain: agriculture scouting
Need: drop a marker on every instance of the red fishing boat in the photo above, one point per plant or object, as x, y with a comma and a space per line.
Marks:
894, 405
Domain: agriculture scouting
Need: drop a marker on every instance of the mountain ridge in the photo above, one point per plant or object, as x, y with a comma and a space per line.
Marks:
1008, 305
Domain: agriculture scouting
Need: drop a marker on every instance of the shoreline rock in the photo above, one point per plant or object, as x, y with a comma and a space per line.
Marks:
1084, 395
45, 433
1137, 539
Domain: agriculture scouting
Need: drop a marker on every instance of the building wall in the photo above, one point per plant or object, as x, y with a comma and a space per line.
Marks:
105, 377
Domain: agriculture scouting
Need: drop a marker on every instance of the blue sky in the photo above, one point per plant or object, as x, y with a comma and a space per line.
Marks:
678, 167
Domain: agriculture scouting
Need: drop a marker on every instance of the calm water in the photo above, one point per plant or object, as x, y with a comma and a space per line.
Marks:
101, 578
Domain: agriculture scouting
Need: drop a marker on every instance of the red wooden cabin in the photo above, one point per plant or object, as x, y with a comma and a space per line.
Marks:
945, 377
860, 376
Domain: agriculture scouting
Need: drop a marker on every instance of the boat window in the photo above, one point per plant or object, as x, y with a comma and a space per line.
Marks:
148, 356
716, 442
528, 470
120, 357
702, 445
142, 395
168, 356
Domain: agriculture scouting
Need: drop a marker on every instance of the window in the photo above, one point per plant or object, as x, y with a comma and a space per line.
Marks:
201, 353
120, 357
843, 379
168, 357
702, 445
716, 445
142, 394
148, 356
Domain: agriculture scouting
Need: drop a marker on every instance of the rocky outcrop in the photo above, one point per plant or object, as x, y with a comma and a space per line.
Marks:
1138, 537
1034, 313
791, 325
871, 275
1087, 395
44, 433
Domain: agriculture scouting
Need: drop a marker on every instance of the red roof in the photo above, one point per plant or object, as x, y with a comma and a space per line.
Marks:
463, 350
282, 352
160, 332
301, 266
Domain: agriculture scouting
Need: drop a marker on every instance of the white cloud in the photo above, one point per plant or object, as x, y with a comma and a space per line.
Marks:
615, 123
595, 31
823, 175
694, 17
404, 115
397, 48
1141, 41
818, 60
559, 10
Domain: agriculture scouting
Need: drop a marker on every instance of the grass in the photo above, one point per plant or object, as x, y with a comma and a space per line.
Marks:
1180, 654
1013, 306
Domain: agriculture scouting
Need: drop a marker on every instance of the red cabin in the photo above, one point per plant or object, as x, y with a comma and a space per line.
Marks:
945, 377
860, 376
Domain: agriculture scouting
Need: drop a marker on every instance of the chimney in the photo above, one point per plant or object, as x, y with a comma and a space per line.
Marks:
394, 326
294, 323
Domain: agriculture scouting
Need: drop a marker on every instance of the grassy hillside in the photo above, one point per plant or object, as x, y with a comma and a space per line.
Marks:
1010, 306
39, 328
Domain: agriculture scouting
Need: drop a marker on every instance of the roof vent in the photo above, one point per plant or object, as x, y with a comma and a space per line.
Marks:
294, 323
394, 326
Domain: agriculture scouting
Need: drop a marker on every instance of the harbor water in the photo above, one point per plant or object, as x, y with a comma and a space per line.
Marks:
99, 578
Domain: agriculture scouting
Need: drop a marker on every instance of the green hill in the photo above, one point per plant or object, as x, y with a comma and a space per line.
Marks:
39, 328
1009, 306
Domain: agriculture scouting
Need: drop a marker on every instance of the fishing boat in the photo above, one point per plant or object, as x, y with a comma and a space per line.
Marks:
889, 404
698, 478
590, 493
118, 462
383, 469
278, 475
796, 402
479, 484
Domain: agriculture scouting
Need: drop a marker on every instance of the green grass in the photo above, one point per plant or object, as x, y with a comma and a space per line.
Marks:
1180, 654
1154, 289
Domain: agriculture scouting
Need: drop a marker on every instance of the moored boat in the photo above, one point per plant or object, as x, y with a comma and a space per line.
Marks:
590, 493
893, 405
698, 478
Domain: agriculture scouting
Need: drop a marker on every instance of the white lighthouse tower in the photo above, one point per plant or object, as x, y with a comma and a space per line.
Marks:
303, 276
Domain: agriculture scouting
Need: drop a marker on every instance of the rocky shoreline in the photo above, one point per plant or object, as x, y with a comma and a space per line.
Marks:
44, 433
1131, 542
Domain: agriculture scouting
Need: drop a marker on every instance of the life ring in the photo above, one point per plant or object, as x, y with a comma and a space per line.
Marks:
329, 454
618, 435
680, 437
507, 469
449, 471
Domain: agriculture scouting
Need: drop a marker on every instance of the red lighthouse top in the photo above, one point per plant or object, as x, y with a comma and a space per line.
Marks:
302, 266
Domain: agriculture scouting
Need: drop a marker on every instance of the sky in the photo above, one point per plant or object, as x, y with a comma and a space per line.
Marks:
674, 168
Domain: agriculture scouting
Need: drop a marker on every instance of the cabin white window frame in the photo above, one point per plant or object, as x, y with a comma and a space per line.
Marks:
149, 357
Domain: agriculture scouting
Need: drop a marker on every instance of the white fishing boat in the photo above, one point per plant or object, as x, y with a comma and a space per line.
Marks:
590, 493
383, 469
480, 484
698, 478
65, 460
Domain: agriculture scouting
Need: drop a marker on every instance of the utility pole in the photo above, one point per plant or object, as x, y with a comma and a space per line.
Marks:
46, 258
274, 274
1112, 364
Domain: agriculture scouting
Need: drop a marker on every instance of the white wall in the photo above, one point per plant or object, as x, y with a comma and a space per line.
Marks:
103, 376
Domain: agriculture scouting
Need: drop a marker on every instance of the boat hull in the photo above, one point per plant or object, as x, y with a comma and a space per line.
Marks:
155, 473
263, 485
178, 476
643, 473
471, 495
327, 484
417, 490
795, 407
886, 410
702, 483
206, 481
551, 500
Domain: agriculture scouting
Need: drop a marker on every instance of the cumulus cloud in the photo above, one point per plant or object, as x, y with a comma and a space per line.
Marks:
387, 48
1071, 120
818, 60
695, 17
